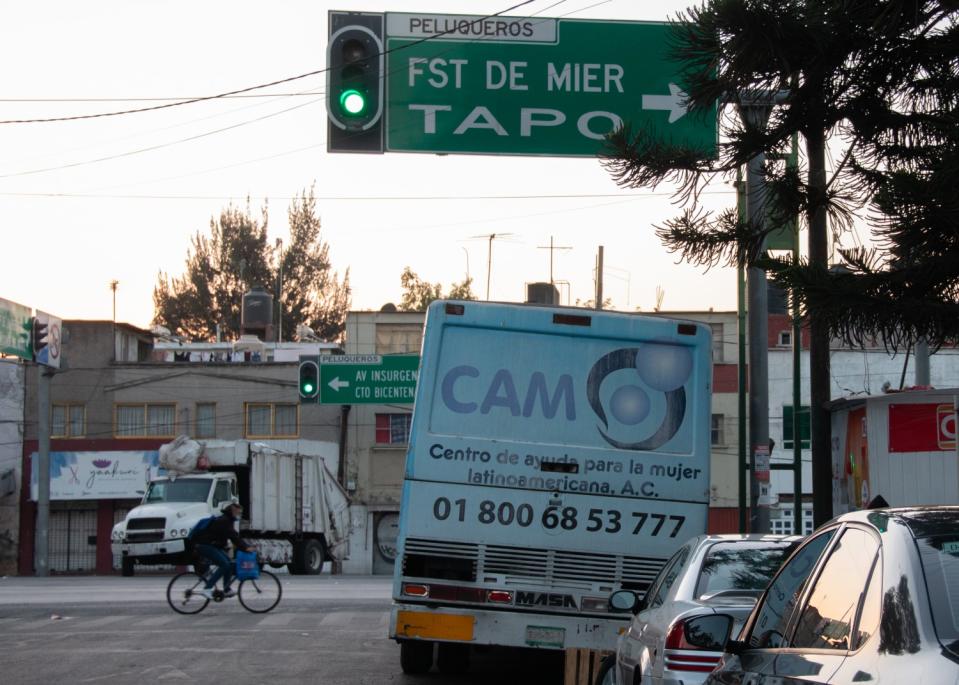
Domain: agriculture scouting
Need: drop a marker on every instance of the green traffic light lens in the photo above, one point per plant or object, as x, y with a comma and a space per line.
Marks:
307, 388
353, 102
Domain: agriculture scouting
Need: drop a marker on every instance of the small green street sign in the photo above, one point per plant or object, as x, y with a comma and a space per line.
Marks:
15, 325
368, 378
532, 86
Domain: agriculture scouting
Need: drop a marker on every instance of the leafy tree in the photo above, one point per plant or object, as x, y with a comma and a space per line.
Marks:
235, 256
880, 75
419, 293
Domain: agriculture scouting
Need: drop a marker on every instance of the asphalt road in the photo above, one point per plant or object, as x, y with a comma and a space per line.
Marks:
327, 629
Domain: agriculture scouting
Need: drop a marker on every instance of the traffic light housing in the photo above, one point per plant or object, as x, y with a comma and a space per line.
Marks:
354, 83
308, 382
38, 336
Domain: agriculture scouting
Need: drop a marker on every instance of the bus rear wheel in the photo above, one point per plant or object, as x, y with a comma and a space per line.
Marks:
416, 657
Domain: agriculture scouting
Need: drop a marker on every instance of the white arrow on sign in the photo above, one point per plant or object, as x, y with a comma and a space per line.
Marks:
337, 384
675, 103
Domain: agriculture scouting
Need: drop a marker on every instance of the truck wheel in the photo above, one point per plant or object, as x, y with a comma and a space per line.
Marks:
308, 557
416, 657
452, 658
606, 675
126, 567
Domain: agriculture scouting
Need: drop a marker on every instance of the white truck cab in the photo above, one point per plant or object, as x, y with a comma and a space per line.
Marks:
154, 532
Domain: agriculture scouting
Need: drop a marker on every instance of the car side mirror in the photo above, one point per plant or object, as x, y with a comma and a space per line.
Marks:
622, 601
709, 632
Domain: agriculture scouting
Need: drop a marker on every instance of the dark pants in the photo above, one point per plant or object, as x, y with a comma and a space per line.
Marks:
224, 567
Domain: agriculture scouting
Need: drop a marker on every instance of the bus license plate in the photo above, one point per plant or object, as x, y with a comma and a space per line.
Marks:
544, 636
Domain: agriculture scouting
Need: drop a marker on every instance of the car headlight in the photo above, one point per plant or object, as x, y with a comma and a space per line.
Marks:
173, 533
183, 532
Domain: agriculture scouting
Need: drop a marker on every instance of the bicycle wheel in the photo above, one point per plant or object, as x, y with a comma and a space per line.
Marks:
183, 593
259, 595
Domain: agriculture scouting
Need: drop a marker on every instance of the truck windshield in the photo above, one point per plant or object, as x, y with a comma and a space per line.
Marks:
179, 490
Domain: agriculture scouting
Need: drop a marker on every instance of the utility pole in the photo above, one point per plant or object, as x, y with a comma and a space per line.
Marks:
489, 257
279, 291
113, 287
42, 538
755, 110
599, 278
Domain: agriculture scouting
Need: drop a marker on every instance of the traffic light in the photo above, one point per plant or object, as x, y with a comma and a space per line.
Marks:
309, 379
38, 336
354, 83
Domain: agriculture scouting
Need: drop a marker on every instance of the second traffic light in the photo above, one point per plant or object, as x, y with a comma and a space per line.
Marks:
309, 379
354, 84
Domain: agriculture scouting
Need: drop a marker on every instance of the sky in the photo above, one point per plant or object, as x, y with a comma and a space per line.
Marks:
117, 198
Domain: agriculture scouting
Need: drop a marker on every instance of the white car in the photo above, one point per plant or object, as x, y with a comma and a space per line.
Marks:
709, 574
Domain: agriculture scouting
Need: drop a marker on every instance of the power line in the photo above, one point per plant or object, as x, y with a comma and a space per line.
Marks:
346, 198
206, 98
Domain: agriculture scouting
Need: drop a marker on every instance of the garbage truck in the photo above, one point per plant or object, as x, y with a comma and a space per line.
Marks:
294, 510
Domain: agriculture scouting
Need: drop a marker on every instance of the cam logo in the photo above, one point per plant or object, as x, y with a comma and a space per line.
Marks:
545, 599
660, 368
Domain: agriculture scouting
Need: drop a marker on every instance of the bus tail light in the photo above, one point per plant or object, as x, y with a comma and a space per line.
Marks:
499, 597
595, 604
416, 590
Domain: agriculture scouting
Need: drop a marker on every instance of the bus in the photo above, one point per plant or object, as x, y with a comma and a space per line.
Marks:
556, 454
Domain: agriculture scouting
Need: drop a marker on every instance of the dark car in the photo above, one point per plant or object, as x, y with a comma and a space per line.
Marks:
872, 596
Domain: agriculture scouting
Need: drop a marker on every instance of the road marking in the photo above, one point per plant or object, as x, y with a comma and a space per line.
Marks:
336, 618
277, 620
106, 620
156, 621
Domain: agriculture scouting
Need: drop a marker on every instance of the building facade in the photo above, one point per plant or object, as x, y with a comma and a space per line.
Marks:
120, 396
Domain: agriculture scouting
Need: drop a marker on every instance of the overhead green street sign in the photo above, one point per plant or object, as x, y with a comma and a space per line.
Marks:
15, 325
368, 378
532, 86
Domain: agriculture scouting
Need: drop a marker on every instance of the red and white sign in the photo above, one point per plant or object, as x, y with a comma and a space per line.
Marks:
922, 427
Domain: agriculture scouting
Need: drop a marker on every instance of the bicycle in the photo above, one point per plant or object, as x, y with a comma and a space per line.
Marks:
257, 595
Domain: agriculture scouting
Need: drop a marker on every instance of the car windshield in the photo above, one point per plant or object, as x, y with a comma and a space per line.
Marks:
742, 567
179, 490
940, 565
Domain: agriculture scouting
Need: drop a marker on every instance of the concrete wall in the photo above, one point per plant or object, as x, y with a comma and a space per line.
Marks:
11, 445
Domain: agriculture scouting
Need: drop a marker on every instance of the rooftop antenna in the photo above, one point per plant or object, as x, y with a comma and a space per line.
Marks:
552, 249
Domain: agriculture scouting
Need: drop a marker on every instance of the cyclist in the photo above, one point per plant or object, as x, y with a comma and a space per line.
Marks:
211, 543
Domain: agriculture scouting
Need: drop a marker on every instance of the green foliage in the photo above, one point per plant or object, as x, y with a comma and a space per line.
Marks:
234, 257
880, 76
419, 293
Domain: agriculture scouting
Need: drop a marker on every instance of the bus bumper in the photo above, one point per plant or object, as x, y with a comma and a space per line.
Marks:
503, 628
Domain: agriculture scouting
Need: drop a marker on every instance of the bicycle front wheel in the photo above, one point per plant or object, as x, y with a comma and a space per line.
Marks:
183, 593
259, 595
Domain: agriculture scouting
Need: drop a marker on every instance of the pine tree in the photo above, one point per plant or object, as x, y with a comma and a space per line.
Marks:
235, 256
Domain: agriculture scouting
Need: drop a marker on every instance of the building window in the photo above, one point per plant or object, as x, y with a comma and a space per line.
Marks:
782, 526
398, 338
272, 420
144, 420
205, 420
788, 427
717, 433
718, 342
785, 338
393, 429
68, 421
